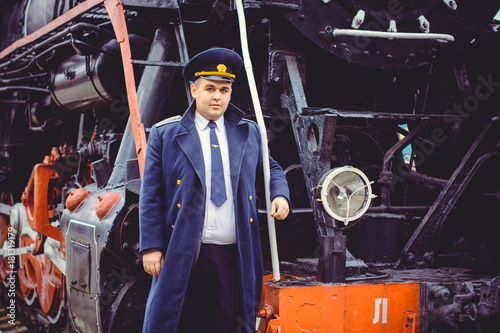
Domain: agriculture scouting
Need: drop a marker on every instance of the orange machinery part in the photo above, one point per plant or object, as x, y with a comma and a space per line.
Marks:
35, 198
341, 308
38, 276
50, 284
117, 17
76, 198
105, 204
37, 272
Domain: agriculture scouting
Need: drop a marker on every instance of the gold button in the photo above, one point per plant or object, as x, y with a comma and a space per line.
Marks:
178, 205
178, 181
251, 220
250, 198
172, 226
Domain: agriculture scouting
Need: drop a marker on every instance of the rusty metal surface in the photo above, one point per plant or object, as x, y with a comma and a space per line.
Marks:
76, 198
106, 203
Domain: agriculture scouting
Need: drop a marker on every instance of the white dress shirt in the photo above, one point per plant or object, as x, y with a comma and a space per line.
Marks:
220, 226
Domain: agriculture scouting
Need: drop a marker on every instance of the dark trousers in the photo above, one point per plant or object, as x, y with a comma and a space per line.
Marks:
212, 302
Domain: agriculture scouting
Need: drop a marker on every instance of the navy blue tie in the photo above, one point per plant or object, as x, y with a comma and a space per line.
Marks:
218, 191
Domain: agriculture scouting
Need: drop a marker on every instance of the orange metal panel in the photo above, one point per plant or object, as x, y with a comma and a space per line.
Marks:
345, 308
312, 308
60, 20
380, 307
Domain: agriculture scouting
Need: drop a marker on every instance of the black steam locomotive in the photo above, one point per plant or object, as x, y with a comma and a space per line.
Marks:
397, 98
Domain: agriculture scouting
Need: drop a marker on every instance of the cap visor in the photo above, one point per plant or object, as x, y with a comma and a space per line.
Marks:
216, 78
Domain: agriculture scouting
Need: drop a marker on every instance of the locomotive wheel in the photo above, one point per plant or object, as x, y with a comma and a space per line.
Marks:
5, 197
50, 288
27, 273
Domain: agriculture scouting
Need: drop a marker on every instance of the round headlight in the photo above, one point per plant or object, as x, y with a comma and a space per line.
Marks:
346, 193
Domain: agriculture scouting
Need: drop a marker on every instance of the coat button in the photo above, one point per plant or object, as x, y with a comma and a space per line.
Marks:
172, 226
178, 181
251, 220
250, 198
178, 205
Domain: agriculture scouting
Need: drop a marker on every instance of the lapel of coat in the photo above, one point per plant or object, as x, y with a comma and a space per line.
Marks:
236, 132
237, 135
189, 141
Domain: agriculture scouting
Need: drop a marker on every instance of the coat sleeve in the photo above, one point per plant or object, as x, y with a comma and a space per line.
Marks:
278, 183
151, 201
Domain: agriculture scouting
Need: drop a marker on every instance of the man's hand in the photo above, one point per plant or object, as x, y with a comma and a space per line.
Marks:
153, 262
279, 208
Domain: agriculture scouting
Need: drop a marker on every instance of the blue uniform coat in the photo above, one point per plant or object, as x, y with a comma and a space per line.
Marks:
172, 206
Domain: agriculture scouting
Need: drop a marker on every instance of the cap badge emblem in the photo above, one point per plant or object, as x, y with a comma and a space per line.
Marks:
221, 68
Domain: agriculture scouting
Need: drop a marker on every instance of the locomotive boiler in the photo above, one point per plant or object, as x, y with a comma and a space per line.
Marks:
383, 114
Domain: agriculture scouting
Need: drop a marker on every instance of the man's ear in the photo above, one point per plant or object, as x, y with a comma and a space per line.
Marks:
193, 90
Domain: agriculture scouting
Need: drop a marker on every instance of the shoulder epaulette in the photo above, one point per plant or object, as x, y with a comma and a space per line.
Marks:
168, 121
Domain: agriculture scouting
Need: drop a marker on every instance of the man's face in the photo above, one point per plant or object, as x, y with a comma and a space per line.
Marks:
212, 97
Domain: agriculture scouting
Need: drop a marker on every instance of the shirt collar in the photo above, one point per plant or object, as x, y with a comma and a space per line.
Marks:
202, 122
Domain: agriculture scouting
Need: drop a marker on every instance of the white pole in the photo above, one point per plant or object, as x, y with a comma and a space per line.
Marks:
262, 126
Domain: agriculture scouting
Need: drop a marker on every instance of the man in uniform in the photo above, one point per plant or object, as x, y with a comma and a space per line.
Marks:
199, 231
